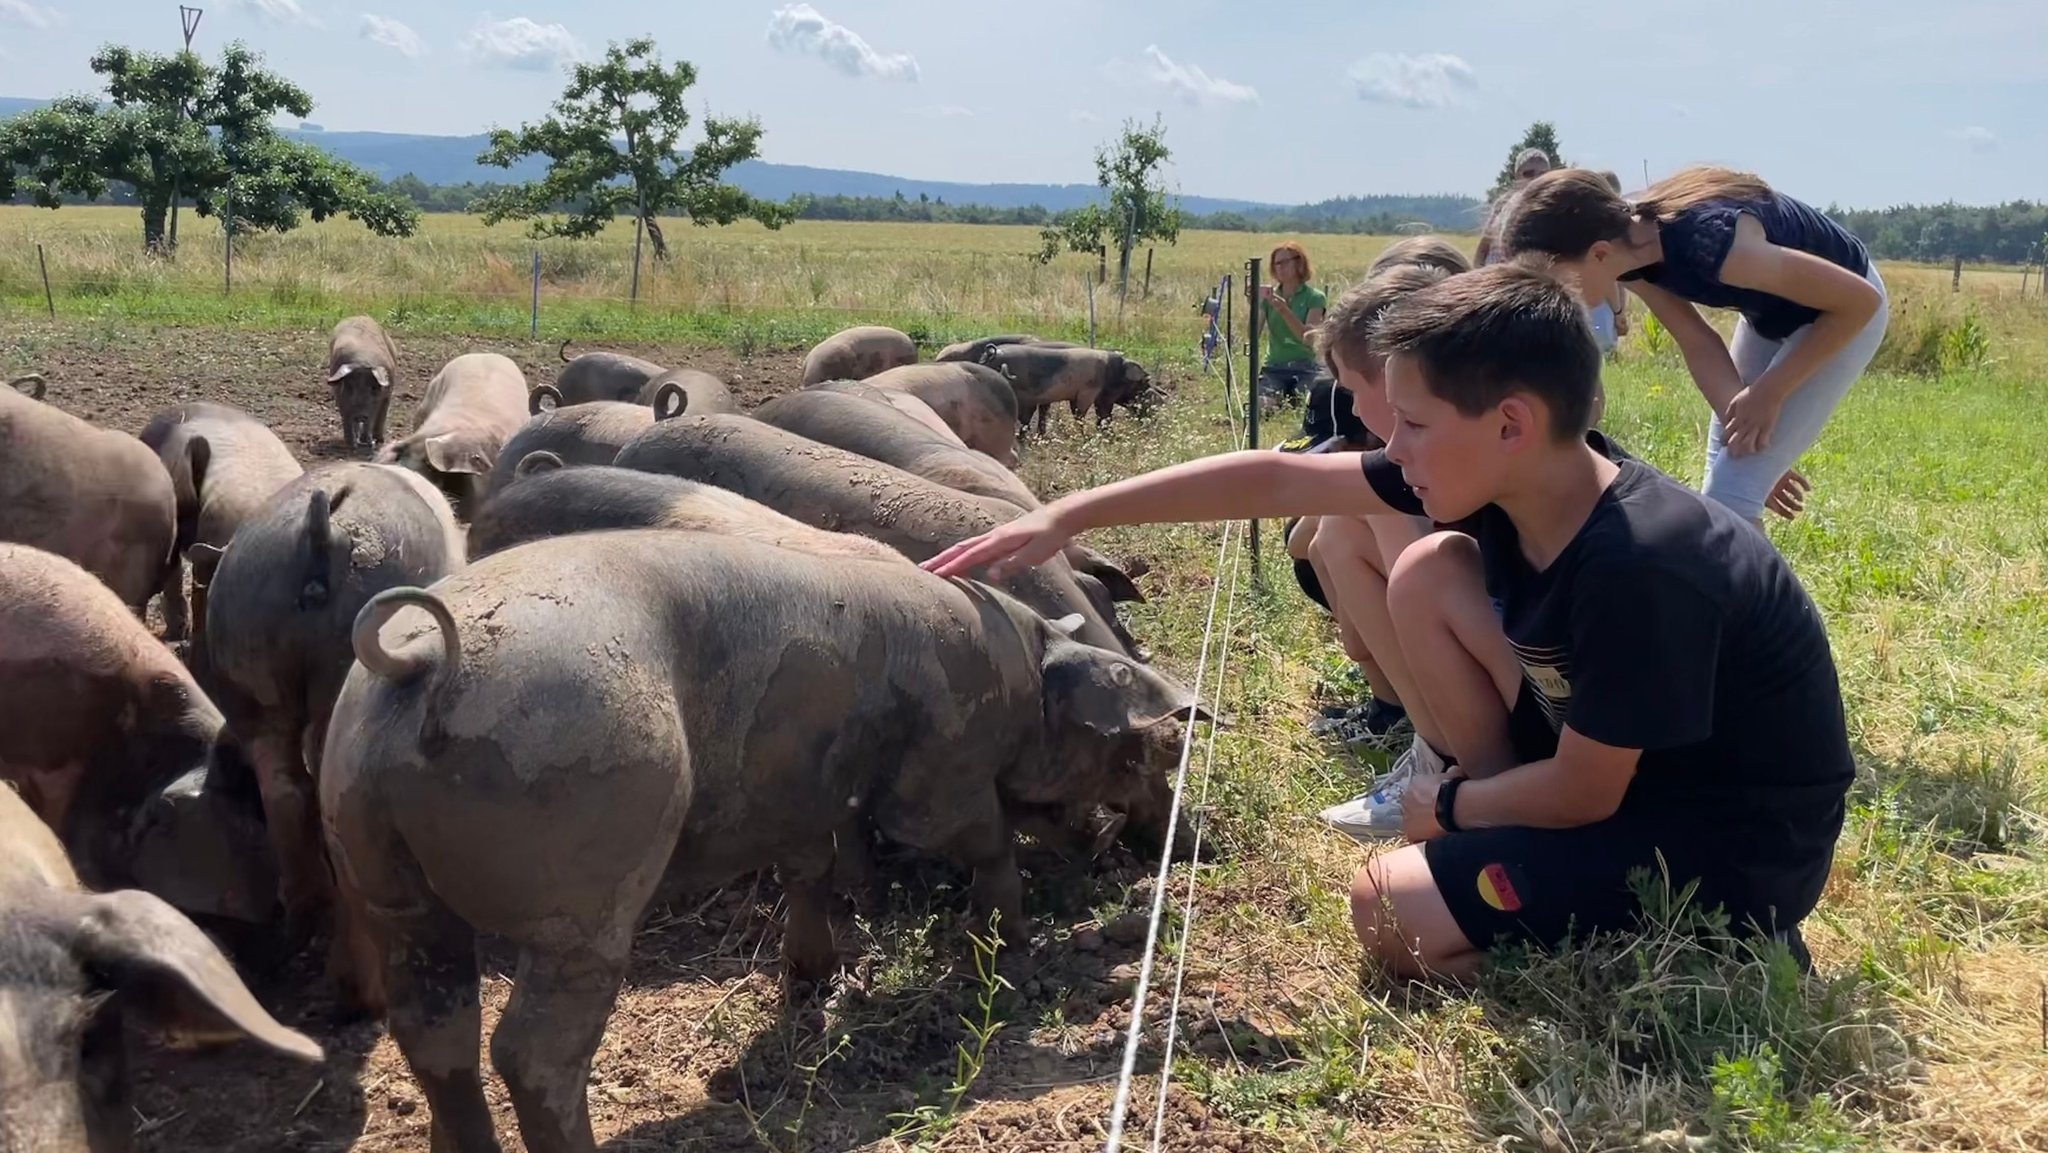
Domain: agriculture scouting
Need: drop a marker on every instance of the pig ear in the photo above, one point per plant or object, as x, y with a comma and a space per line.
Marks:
451, 454
383, 377
170, 975
1068, 625
32, 385
1116, 581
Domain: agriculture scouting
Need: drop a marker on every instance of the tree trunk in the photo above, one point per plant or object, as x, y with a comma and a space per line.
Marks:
153, 236
655, 238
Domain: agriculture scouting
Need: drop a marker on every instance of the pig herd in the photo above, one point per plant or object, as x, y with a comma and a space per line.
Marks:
550, 653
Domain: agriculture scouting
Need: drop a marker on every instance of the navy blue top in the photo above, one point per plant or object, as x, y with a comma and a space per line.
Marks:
1697, 240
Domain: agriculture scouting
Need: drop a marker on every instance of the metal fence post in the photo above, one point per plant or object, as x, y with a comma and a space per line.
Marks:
1091, 314
533, 329
48, 299
1252, 374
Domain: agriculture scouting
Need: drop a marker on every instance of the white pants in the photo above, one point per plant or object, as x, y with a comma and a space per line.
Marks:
1743, 483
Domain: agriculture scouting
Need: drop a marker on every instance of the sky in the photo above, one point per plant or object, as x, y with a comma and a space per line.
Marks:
1864, 103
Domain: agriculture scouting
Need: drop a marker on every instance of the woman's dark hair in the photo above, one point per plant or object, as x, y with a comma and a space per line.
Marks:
1428, 251
1486, 335
1347, 330
1566, 212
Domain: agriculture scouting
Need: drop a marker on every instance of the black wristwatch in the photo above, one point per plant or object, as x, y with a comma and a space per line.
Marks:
1447, 803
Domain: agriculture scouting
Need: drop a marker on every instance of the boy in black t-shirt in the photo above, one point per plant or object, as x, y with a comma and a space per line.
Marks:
1604, 654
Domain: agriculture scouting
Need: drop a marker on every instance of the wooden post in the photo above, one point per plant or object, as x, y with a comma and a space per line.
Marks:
1956, 284
1102, 264
227, 225
533, 328
638, 227
48, 299
1091, 314
1148, 272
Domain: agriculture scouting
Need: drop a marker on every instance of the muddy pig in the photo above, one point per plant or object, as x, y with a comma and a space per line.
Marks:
902, 402
976, 351
858, 353
1084, 378
530, 747
578, 434
78, 967
681, 390
597, 376
975, 402
833, 489
296, 575
93, 495
472, 406
362, 369
555, 501
224, 464
97, 719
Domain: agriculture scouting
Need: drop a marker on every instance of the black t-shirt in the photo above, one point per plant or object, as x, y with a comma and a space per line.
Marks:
1671, 625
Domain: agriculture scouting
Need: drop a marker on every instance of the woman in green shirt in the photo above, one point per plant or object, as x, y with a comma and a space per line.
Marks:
1293, 308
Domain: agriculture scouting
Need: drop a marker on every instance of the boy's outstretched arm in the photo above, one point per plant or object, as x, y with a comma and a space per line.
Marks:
1243, 485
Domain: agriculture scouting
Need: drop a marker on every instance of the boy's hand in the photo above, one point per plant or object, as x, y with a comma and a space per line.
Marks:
1788, 496
1418, 807
1031, 539
1750, 418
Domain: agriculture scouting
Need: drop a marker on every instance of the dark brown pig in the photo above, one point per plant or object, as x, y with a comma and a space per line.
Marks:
976, 351
681, 390
362, 368
296, 575
555, 501
579, 434
97, 721
858, 353
1083, 378
596, 376
224, 465
93, 495
76, 968
902, 402
975, 402
530, 747
471, 408
833, 489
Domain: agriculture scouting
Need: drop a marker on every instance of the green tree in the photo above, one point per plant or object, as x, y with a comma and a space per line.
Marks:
614, 144
176, 128
1542, 134
1135, 210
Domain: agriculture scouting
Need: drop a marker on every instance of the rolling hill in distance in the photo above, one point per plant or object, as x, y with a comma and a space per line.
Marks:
451, 160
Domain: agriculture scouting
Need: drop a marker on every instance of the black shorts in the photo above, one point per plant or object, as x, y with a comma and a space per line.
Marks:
1305, 573
1549, 885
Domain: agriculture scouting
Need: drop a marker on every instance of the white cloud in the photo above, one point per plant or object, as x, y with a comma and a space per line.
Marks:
1979, 139
1083, 116
802, 28
522, 44
1430, 80
26, 14
1192, 84
393, 35
275, 11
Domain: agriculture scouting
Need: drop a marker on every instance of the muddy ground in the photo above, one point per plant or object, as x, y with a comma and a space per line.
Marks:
704, 1051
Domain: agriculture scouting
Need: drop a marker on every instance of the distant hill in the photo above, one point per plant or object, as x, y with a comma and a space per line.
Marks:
451, 160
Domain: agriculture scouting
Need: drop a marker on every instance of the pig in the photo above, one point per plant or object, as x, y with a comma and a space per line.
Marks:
976, 351
93, 495
77, 967
297, 573
598, 376
902, 402
553, 501
879, 434
578, 434
97, 722
1082, 377
224, 464
681, 390
531, 747
974, 401
362, 369
472, 406
833, 489
858, 353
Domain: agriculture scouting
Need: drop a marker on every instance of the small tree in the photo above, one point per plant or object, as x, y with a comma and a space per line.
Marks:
1135, 210
614, 143
175, 127
1543, 135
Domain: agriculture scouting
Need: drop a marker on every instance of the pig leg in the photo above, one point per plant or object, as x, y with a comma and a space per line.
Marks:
808, 952
291, 809
999, 889
177, 617
436, 1016
549, 1033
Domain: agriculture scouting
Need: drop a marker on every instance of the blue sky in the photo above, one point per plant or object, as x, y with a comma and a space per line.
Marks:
1865, 102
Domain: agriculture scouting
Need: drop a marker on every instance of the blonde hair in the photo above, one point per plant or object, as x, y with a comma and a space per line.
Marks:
1428, 251
1347, 329
1694, 186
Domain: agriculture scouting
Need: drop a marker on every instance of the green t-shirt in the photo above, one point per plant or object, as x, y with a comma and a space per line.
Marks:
1282, 346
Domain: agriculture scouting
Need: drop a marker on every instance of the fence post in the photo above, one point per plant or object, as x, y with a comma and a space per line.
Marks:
227, 225
638, 227
533, 328
1148, 272
1091, 314
1956, 284
48, 299
1101, 263
1252, 365
1229, 340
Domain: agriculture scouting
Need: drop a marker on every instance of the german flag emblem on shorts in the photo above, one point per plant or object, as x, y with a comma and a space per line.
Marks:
1497, 891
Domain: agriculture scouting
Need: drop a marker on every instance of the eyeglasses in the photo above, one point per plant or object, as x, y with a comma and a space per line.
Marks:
1288, 259
1531, 173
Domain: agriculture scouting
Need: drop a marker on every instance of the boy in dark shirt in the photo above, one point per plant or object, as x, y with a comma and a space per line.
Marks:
1604, 655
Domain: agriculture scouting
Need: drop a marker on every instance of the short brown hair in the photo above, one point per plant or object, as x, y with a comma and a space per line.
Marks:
1486, 335
1293, 247
1429, 251
1348, 328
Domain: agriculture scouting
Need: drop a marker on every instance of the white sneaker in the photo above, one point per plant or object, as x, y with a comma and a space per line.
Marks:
1376, 813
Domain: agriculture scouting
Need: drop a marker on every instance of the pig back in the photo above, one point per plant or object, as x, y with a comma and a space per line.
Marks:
580, 434
96, 496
